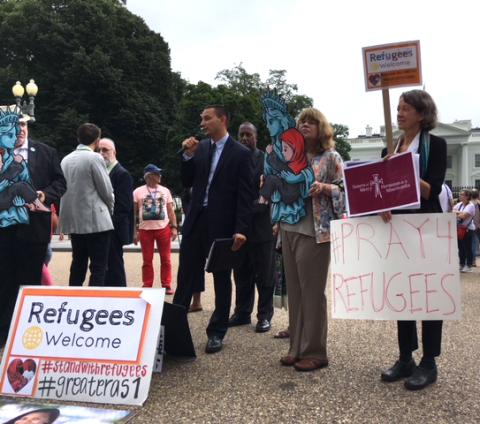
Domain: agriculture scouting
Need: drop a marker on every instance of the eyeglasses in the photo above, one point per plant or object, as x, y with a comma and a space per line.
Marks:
104, 150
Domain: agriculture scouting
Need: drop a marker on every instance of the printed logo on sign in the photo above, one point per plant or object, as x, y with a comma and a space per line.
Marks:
32, 337
81, 328
377, 182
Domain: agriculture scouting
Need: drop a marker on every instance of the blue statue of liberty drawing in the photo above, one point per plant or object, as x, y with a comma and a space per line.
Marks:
287, 175
17, 194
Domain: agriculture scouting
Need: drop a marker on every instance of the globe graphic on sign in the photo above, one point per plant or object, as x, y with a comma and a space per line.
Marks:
32, 338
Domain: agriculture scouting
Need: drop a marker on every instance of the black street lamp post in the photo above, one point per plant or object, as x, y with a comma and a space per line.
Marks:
18, 92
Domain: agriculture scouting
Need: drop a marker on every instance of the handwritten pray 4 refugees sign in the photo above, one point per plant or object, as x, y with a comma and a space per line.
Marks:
82, 344
404, 270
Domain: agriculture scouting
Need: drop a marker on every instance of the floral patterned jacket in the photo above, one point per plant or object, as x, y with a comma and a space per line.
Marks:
330, 203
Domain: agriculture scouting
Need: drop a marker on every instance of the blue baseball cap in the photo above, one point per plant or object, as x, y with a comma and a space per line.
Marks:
152, 169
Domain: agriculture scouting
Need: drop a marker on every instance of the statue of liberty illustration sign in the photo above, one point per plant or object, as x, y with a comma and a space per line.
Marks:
287, 175
17, 194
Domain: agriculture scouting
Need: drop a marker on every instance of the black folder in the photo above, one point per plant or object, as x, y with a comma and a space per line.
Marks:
221, 256
178, 339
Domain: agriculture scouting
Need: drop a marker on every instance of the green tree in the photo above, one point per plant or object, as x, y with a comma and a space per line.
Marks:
241, 82
93, 60
340, 134
249, 89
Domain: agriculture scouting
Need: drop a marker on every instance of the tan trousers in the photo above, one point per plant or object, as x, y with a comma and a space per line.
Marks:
306, 269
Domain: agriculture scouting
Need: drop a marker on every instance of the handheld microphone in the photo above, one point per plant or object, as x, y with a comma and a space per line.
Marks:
182, 149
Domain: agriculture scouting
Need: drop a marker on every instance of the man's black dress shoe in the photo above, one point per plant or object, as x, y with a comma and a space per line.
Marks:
214, 345
399, 370
263, 326
236, 320
421, 378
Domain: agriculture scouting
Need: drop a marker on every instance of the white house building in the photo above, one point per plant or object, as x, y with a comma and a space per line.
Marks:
463, 150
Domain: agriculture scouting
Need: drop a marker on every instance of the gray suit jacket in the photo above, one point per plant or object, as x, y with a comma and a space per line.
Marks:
87, 205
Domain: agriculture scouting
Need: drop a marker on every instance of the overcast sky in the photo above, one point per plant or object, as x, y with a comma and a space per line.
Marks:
320, 43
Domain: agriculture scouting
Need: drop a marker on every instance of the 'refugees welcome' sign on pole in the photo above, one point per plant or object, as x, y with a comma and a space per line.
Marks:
82, 344
406, 269
391, 65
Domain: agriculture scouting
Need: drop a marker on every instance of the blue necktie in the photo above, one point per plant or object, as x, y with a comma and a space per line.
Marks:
211, 153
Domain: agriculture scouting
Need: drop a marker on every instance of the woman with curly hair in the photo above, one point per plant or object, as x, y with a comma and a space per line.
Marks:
306, 246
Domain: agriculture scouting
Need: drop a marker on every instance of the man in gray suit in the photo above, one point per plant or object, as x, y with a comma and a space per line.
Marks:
86, 208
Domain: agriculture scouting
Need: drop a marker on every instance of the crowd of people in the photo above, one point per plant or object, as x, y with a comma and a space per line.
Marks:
101, 212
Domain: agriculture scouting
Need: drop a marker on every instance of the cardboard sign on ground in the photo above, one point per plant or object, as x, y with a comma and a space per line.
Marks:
82, 344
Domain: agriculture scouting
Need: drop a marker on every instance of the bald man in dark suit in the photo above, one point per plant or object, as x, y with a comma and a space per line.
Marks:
123, 220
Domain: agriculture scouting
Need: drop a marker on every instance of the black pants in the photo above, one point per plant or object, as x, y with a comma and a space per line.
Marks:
256, 270
92, 246
21, 263
465, 249
431, 337
115, 275
193, 253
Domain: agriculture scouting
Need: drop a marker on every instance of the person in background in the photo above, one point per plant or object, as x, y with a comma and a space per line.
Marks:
199, 283
256, 268
123, 221
416, 117
87, 207
306, 246
46, 276
465, 212
280, 296
476, 222
446, 198
157, 223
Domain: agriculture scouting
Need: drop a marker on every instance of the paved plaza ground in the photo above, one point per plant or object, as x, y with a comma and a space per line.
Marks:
244, 383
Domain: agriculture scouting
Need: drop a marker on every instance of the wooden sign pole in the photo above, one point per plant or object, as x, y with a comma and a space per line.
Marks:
388, 119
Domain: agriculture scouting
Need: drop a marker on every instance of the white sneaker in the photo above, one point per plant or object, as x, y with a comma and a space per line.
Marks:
466, 269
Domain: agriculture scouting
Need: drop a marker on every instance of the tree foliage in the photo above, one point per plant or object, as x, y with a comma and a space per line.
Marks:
93, 61
340, 134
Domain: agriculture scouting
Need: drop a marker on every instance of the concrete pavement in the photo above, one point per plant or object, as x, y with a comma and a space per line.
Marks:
244, 383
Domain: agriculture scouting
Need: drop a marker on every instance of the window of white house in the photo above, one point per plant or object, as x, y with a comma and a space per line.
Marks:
477, 160
449, 162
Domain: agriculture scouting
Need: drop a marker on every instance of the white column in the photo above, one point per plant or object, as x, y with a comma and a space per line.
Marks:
465, 166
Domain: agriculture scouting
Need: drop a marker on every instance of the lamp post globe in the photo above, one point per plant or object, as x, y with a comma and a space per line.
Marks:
32, 88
